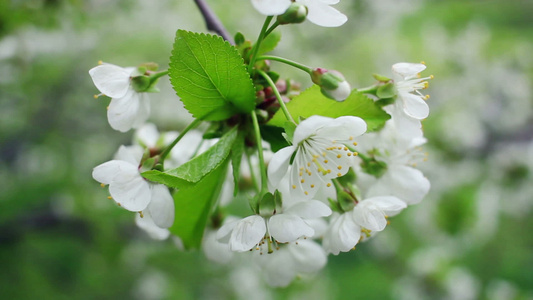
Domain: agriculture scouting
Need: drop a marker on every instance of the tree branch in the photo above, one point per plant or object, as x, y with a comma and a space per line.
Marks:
212, 22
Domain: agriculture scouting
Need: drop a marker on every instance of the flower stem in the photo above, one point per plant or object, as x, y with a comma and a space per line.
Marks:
252, 173
278, 96
274, 26
193, 125
286, 61
262, 169
155, 76
257, 44
368, 90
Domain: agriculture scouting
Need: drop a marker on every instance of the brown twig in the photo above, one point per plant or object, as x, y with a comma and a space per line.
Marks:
212, 22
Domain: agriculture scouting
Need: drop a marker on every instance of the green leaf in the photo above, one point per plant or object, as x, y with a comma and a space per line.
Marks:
195, 169
237, 151
273, 135
198, 167
312, 102
210, 77
166, 179
193, 206
270, 42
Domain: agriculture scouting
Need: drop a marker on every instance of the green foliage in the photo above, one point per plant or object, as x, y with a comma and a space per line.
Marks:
270, 42
456, 210
273, 135
198, 167
209, 76
193, 205
357, 104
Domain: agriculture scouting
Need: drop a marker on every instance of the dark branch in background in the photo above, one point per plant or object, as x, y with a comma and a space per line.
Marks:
212, 21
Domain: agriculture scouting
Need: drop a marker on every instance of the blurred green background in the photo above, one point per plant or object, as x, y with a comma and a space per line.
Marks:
60, 238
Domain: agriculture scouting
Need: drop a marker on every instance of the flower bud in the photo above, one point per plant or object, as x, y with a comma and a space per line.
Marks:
332, 83
296, 13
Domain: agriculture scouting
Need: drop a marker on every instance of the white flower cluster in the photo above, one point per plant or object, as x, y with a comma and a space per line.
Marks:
338, 183
317, 205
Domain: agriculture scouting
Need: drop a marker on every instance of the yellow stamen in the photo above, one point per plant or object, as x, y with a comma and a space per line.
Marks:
102, 185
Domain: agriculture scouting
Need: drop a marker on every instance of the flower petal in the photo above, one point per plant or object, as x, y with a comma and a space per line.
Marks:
369, 216
408, 70
322, 14
126, 112
309, 209
288, 228
343, 234
131, 154
215, 250
147, 224
113, 81
147, 135
308, 256
388, 204
271, 7
308, 127
342, 128
161, 206
247, 233
277, 168
403, 182
131, 191
106, 172
414, 106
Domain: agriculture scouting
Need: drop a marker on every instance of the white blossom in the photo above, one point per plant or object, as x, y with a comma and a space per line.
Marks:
281, 266
320, 154
320, 12
131, 191
372, 213
283, 227
342, 235
128, 108
401, 153
159, 215
126, 185
408, 83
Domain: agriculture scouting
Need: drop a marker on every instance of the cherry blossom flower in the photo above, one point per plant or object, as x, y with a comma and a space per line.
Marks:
408, 83
400, 153
159, 215
320, 154
368, 216
131, 191
287, 226
320, 12
128, 108
372, 213
280, 267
